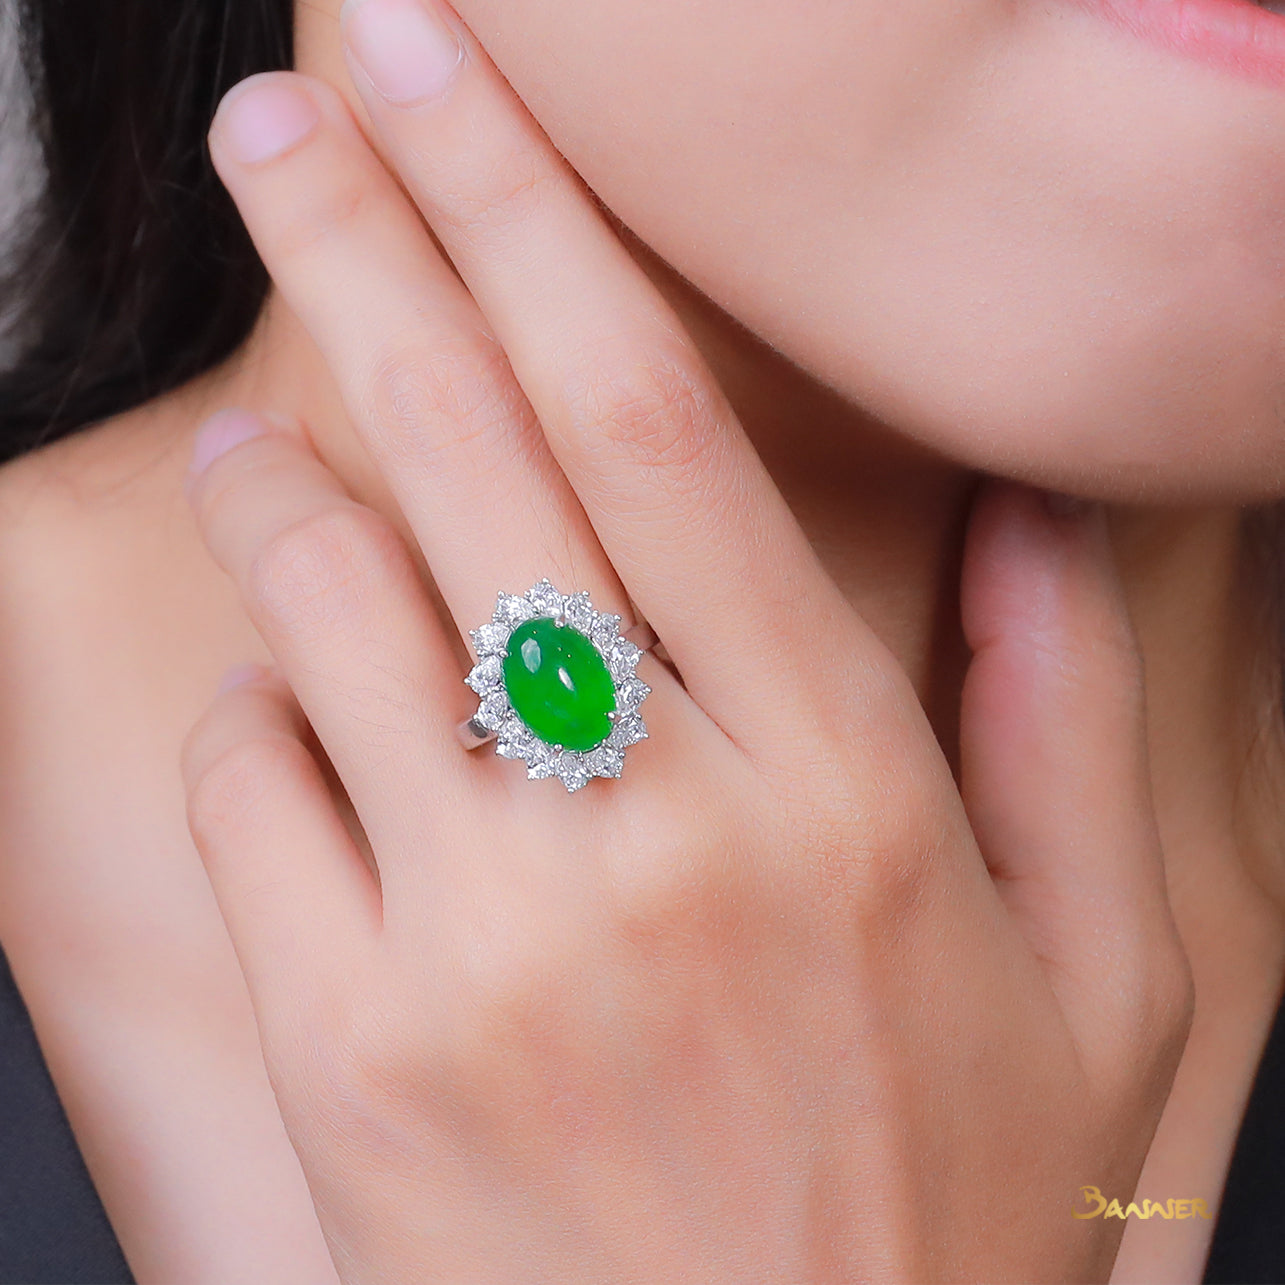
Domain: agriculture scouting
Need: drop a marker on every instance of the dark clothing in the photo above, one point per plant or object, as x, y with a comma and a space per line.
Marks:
1249, 1236
53, 1230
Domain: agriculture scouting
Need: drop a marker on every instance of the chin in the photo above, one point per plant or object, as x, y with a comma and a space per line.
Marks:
1045, 238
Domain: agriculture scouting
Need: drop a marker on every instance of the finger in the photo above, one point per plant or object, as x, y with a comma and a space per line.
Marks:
334, 592
428, 387
686, 511
294, 891
1054, 756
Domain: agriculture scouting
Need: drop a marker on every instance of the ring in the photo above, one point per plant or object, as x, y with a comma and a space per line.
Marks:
557, 685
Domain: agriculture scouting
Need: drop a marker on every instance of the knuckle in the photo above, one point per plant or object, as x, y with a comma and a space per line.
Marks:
884, 884
458, 400
201, 744
501, 1028
318, 576
1147, 1008
499, 974
510, 188
874, 848
663, 869
689, 887
1100, 659
358, 1075
692, 883
653, 409
318, 212
1168, 998
241, 781
514, 990
663, 887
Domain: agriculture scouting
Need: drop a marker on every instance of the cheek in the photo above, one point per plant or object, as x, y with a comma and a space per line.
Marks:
1083, 283
1004, 228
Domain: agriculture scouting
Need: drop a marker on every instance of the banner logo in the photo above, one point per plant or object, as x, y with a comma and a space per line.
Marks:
1097, 1205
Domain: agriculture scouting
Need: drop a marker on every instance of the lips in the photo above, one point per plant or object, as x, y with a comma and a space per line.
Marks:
1239, 36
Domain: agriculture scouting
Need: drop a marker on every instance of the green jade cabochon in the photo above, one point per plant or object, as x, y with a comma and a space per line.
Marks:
558, 684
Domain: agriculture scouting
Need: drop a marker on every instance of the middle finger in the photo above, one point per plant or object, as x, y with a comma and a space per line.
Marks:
681, 501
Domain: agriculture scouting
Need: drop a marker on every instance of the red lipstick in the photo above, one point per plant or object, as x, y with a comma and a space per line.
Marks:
1235, 35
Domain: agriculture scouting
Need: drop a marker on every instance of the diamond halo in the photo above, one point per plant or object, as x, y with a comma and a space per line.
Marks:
514, 739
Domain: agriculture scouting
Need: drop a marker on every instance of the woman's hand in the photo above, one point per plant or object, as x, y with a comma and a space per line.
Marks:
778, 1004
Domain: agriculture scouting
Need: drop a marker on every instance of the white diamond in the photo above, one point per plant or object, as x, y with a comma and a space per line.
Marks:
545, 599
630, 694
511, 611
515, 741
572, 771
518, 741
539, 751
542, 760
605, 630
578, 613
490, 640
605, 761
493, 713
624, 656
629, 729
485, 676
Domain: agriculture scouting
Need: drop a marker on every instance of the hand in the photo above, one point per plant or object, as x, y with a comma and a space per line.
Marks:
779, 1004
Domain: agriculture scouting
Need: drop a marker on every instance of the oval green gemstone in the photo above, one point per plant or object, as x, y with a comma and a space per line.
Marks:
558, 684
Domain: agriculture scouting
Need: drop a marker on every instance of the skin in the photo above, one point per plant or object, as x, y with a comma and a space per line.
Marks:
105, 911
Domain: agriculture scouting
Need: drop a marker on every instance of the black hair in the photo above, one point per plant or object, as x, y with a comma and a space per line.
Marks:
133, 272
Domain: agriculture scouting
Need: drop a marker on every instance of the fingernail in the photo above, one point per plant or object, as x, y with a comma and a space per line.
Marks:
218, 435
239, 675
263, 117
403, 46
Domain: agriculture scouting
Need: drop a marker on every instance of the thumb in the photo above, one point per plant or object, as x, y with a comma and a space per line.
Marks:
1054, 771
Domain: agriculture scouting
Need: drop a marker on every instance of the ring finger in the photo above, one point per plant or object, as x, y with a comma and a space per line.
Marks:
335, 594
